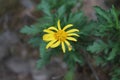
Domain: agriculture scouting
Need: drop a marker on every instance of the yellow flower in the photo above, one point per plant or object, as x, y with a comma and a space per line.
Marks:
57, 36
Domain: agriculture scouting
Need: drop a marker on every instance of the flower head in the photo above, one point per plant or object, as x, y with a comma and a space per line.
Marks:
57, 36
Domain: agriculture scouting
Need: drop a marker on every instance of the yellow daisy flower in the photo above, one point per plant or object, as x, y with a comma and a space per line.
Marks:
57, 36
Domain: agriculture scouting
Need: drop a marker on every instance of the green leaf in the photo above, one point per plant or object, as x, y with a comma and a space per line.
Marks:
88, 29
115, 73
97, 47
34, 41
102, 13
74, 18
61, 11
115, 16
113, 54
40, 63
45, 7
45, 55
69, 75
99, 60
69, 59
78, 58
43, 49
32, 30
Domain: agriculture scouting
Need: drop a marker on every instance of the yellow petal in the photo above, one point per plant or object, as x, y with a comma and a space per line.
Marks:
69, 45
73, 34
50, 43
55, 44
48, 31
58, 24
72, 30
53, 28
71, 39
68, 26
63, 47
48, 37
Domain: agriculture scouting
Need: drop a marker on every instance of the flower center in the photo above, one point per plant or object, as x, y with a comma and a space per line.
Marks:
61, 35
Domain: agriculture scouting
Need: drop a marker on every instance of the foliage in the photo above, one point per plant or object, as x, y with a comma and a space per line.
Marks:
106, 47
52, 13
115, 73
100, 38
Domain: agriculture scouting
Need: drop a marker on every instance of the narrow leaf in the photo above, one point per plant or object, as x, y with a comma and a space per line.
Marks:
97, 47
102, 13
61, 11
112, 54
32, 30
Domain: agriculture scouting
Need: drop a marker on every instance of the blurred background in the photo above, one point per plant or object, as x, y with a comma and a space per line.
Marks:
18, 58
